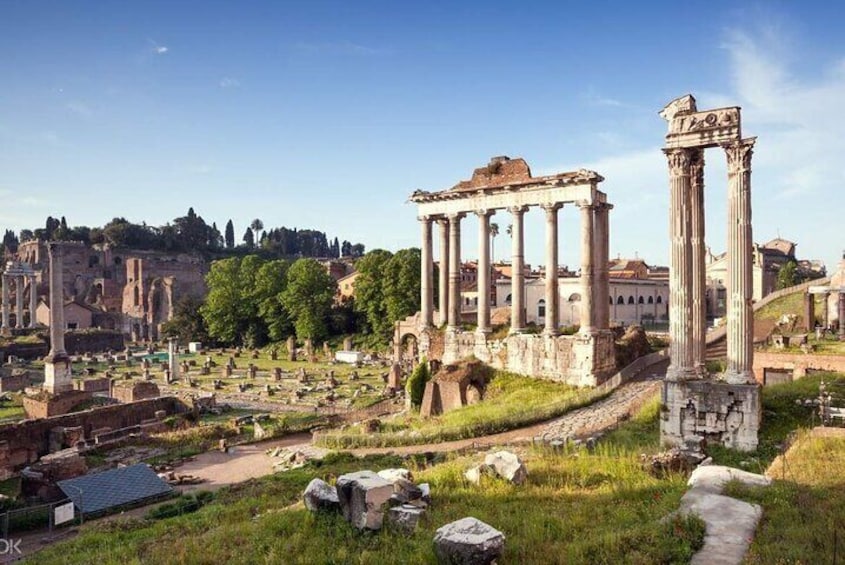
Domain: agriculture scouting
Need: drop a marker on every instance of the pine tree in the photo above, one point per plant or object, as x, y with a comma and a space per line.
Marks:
230, 235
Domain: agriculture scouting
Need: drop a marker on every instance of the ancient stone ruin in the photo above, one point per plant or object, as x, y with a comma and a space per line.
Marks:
507, 184
697, 408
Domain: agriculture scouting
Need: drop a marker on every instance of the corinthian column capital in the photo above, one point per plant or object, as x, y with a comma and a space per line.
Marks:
739, 154
679, 161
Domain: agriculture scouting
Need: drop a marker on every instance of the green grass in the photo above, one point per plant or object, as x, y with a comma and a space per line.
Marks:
802, 511
12, 410
789, 304
510, 402
576, 507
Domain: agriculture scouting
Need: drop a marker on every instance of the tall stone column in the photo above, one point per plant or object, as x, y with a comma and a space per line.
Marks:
699, 269
454, 319
426, 271
443, 278
19, 302
680, 266
602, 249
33, 300
5, 301
483, 281
740, 332
841, 314
588, 275
57, 374
552, 292
517, 269
809, 312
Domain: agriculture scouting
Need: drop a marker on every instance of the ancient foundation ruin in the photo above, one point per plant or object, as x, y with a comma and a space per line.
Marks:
506, 184
697, 408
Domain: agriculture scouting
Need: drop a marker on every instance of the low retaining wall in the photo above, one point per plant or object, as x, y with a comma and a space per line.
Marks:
796, 363
24, 442
580, 360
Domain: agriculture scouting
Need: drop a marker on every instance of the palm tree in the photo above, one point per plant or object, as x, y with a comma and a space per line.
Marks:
257, 226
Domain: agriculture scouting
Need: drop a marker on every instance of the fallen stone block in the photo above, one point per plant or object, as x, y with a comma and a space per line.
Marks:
508, 466
393, 474
362, 497
320, 495
713, 478
468, 541
405, 518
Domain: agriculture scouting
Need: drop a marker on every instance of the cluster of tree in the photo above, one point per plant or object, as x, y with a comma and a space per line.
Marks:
791, 273
252, 301
191, 233
387, 288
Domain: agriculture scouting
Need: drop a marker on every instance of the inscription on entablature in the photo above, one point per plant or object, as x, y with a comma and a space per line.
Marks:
704, 129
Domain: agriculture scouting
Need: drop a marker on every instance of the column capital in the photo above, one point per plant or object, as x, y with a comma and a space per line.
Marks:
426, 218
485, 212
455, 216
739, 154
587, 204
679, 160
517, 209
552, 207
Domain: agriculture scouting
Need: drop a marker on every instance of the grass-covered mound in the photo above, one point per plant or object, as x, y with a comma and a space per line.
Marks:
576, 507
510, 401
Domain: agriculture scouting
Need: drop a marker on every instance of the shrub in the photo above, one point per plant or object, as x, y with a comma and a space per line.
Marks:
416, 382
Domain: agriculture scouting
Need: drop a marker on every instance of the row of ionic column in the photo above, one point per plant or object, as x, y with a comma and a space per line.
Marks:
687, 282
595, 313
20, 283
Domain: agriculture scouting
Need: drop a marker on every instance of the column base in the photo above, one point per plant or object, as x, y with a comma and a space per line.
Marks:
681, 373
739, 377
57, 376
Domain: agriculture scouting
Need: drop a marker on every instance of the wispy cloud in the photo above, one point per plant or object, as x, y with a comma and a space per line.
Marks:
338, 48
80, 108
229, 82
156, 48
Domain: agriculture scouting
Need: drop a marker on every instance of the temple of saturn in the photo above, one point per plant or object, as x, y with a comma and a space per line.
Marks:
585, 359
57, 370
697, 408
22, 276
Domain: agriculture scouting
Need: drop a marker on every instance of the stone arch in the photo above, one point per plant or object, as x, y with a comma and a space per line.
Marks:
574, 297
620, 299
631, 299
640, 300
651, 300
659, 299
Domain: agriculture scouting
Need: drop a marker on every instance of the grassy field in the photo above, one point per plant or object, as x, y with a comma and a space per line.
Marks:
576, 507
789, 304
510, 402
804, 508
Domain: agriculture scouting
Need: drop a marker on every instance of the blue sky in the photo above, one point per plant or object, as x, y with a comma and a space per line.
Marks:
329, 114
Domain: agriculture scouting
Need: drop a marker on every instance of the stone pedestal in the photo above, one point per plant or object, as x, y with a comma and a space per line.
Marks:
713, 412
57, 375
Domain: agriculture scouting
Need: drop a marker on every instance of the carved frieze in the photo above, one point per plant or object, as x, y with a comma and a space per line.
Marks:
704, 129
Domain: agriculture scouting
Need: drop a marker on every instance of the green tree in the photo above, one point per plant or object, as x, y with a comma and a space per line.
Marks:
223, 311
249, 238
270, 282
370, 292
308, 297
187, 323
402, 284
788, 275
415, 387
230, 235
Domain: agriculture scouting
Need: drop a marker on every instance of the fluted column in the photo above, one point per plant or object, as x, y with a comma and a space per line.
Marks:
483, 281
19, 302
552, 292
740, 317
33, 300
443, 278
680, 266
5, 301
588, 275
602, 250
699, 275
426, 268
454, 319
518, 270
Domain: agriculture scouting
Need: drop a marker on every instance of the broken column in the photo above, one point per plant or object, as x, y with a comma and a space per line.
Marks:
363, 496
172, 362
57, 370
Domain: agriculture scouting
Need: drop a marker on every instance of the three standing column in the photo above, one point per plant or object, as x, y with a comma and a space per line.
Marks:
518, 270
740, 315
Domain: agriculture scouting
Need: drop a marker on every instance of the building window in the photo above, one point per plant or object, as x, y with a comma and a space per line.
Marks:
541, 309
660, 300
611, 301
630, 300
508, 299
136, 296
72, 325
574, 297
640, 300
651, 300
620, 300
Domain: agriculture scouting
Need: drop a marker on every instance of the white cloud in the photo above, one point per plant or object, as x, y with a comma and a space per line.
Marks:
228, 82
156, 48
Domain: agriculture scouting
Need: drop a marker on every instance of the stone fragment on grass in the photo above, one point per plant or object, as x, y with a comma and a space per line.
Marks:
508, 466
405, 518
712, 478
468, 541
362, 497
393, 474
320, 495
